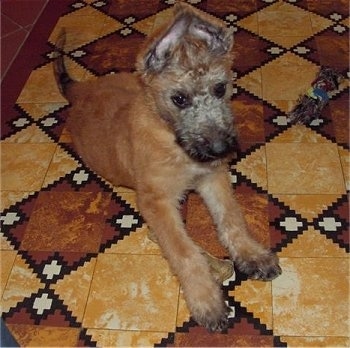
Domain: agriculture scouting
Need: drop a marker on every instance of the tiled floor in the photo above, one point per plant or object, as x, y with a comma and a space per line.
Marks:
77, 268
17, 20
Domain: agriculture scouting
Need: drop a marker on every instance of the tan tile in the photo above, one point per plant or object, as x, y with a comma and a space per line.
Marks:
320, 341
117, 338
256, 296
310, 298
24, 165
44, 336
31, 134
7, 258
136, 243
79, 28
284, 20
74, 288
287, 77
253, 167
300, 134
250, 23
308, 206
21, 283
146, 25
252, 83
345, 162
7, 198
281, 20
41, 87
183, 313
134, 286
39, 110
312, 244
304, 168
4, 243
62, 163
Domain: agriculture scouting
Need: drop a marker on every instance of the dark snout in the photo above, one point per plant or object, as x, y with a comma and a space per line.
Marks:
210, 147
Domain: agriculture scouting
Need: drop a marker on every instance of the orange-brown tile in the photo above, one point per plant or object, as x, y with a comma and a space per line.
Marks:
44, 336
118, 338
67, 221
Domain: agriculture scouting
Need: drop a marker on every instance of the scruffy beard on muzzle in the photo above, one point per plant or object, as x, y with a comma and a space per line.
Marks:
205, 151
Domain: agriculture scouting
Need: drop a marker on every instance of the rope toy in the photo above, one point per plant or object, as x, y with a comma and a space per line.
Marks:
309, 106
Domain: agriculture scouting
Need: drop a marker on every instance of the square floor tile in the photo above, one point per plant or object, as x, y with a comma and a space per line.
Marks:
24, 165
142, 294
311, 297
67, 221
304, 168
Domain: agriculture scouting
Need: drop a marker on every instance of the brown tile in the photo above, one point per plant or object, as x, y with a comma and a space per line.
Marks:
44, 336
200, 226
118, 338
249, 120
333, 49
243, 334
138, 8
67, 221
254, 208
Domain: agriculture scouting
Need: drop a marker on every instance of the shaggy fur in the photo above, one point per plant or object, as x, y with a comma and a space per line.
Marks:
167, 129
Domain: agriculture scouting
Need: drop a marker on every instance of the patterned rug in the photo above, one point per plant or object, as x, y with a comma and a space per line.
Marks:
77, 268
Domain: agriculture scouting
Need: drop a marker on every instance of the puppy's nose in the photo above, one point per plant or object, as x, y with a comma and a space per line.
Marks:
219, 147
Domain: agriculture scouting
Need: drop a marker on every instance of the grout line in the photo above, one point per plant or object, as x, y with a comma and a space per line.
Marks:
25, 39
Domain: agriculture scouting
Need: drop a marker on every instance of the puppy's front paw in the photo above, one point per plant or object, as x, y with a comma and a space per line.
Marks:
215, 320
262, 267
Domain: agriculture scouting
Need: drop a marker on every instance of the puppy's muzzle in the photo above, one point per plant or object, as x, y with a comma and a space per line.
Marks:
209, 149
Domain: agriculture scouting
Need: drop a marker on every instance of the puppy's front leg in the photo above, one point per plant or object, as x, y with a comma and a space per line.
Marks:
249, 256
203, 295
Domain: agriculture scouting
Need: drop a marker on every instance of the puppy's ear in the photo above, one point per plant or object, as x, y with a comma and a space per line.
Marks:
213, 31
160, 51
188, 21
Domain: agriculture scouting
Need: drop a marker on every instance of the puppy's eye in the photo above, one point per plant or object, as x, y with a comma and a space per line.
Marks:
220, 89
181, 100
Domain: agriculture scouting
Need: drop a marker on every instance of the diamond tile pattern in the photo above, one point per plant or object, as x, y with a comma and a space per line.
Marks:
77, 267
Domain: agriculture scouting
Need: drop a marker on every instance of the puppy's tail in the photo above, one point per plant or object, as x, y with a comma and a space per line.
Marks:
61, 75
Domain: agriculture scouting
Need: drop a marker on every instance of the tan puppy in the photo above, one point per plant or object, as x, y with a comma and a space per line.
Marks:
165, 130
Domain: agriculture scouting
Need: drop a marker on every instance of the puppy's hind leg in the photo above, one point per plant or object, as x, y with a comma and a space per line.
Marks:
202, 294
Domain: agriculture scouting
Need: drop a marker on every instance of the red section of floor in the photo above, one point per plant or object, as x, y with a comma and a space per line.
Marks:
17, 20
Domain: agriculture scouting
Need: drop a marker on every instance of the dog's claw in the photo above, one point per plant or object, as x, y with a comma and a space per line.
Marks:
264, 268
218, 325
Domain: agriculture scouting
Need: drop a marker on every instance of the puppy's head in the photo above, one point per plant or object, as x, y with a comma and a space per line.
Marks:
186, 68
